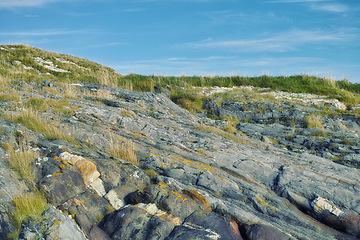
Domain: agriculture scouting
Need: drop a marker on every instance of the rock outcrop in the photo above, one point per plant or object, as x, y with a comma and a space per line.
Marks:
188, 183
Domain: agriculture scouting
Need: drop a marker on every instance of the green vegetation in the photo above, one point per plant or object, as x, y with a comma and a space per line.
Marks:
20, 62
20, 161
27, 206
314, 121
222, 133
37, 104
9, 97
127, 113
32, 120
123, 149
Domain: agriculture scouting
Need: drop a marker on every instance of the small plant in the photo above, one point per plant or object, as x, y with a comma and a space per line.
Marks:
123, 149
38, 104
32, 120
314, 121
127, 113
9, 97
20, 161
222, 133
321, 133
28, 206
151, 172
62, 106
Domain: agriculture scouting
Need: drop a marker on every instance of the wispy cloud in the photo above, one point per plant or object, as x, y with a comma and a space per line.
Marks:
46, 32
319, 5
278, 43
23, 3
330, 7
104, 45
296, 1
213, 65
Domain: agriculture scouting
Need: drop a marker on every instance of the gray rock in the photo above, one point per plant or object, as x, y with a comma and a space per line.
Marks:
263, 232
216, 223
133, 222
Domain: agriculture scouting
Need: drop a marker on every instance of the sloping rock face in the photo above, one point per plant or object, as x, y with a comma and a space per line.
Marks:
188, 184
286, 123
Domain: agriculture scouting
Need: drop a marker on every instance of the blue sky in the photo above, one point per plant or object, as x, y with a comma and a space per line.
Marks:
195, 37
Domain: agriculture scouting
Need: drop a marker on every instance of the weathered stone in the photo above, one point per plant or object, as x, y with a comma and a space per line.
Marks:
133, 222
214, 222
54, 225
114, 200
61, 186
263, 232
192, 231
86, 168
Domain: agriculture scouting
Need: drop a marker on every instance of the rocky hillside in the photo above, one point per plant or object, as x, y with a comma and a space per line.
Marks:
81, 157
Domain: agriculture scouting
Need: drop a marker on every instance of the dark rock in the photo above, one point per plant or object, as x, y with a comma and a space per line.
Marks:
216, 223
211, 106
263, 232
193, 232
135, 223
61, 185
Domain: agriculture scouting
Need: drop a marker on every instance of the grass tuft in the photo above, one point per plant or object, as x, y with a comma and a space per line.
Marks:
32, 120
222, 133
20, 161
123, 149
38, 104
314, 121
29, 206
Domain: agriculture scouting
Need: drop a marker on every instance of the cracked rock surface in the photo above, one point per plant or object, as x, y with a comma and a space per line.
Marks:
188, 184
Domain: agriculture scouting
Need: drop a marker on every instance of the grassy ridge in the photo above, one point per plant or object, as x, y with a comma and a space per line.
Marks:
85, 70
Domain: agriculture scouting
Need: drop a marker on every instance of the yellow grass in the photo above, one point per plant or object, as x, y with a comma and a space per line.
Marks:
314, 121
123, 149
32, 120
20, 161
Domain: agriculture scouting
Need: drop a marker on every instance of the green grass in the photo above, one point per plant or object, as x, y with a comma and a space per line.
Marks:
38, 104
85, 70
20, 161
32, 120
123, 149
314, 121
27, 206
222, 133
9, 97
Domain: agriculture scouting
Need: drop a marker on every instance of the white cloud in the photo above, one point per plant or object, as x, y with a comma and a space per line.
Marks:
278, 43
23, 3
296, 1
46, 32
330, 7
319, 5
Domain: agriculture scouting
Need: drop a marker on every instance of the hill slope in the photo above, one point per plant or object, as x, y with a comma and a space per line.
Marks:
80, 159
